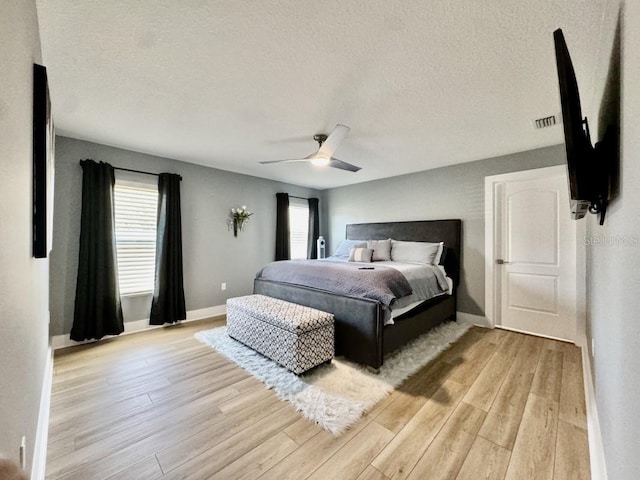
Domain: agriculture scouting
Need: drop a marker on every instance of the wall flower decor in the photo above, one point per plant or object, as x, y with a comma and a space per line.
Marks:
237, 218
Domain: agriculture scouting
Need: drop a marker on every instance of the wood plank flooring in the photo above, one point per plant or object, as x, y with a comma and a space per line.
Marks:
160, 405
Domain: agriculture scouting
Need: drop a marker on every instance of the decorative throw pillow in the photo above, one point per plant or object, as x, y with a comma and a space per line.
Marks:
381, 249
416, 252
345, 247
360, 255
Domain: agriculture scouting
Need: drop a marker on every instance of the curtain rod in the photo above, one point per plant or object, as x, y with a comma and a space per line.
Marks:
299, 198
136, 171
141, 171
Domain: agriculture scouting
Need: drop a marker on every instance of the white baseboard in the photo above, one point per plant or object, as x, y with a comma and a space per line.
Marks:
518, 330
42, 433
596, 448
473, 319
61, 341
206, 313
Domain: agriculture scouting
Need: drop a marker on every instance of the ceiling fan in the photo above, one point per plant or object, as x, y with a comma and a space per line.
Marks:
324, 155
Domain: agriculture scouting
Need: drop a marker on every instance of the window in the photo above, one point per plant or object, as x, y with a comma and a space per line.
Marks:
298, 227
136, 210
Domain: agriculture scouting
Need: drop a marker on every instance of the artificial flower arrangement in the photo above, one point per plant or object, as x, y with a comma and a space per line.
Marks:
237, 217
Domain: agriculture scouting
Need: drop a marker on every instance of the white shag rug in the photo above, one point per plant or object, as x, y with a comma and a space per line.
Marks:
335, 396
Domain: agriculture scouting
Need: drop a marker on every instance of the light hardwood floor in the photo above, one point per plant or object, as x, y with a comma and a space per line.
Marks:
496, 405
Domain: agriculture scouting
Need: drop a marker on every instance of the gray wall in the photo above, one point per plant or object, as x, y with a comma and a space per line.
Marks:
24, 335
613, 267
450, 192
211, 253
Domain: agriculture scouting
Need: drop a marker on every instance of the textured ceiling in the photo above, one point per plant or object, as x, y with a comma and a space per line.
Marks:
229, 83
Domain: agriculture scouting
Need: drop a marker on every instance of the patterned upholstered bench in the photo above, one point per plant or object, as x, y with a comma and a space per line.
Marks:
295, 336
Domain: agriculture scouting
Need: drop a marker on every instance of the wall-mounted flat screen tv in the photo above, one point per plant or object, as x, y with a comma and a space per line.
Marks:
587, 172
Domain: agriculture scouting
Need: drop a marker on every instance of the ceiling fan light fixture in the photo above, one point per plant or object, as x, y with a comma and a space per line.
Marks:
327, 145
320, 161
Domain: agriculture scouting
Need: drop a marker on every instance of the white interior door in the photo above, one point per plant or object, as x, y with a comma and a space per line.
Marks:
536, 257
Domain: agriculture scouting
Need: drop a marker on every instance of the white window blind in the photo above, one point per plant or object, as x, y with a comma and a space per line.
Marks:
136, 210
298, 228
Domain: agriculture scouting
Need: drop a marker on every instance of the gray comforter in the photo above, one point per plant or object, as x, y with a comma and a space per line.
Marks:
382, 284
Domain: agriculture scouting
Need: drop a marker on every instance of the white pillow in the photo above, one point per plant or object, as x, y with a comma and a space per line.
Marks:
345, 247
381, 249
360, 255
416, 252
436, 261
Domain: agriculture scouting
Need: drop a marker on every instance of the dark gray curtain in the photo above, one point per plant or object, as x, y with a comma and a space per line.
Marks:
168, 304
314, 229
282, 227
97, 309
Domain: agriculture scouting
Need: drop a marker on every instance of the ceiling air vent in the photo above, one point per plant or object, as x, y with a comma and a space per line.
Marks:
545, 122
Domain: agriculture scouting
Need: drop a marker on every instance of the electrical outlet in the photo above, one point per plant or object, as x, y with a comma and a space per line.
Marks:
23, 453
593, 347
223, 286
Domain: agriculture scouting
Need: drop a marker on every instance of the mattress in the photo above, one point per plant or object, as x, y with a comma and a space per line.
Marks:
421, 278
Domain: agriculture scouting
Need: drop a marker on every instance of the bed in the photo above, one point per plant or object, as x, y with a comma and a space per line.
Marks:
361, 333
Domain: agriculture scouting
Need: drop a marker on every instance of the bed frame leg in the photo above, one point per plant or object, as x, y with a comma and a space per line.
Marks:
370, 369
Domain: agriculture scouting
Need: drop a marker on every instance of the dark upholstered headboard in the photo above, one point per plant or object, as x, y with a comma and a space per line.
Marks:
447, 231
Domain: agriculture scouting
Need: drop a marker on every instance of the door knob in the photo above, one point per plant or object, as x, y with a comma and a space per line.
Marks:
500, 261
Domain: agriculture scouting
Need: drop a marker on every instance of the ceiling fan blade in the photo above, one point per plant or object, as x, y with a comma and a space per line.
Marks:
333, 140
284, 161
289, 160
335, 163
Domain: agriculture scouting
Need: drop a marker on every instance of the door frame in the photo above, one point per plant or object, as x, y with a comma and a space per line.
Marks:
493, 188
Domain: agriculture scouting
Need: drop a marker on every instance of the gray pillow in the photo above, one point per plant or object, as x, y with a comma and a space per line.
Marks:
415, 252
381, 249
346, 245
360, 255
